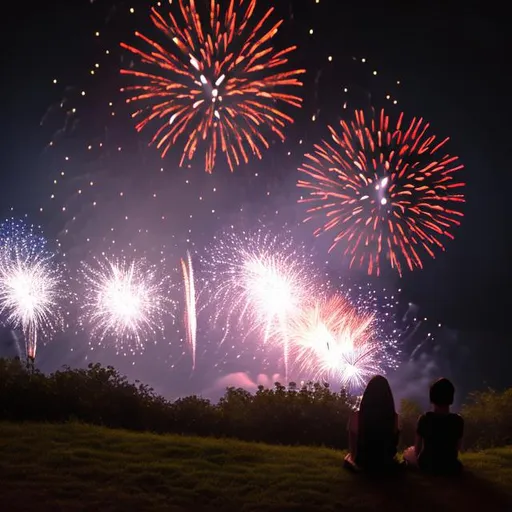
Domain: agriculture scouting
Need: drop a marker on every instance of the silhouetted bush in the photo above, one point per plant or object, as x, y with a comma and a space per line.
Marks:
310, 415
410, 411
488, 418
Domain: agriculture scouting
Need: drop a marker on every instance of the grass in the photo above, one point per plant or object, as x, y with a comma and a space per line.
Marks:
77, 468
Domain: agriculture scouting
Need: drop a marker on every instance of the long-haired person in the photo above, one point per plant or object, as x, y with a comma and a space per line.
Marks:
373, 430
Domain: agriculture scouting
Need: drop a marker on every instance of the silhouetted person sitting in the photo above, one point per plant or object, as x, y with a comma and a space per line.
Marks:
373, 430
438, 434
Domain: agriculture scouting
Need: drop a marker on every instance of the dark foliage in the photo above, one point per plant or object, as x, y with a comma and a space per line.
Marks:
490, 419
410, 411
311, 415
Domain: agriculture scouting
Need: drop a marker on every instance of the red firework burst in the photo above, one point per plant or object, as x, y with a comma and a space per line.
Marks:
217, 85
385, 191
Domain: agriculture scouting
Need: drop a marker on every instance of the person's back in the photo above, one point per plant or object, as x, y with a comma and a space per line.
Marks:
441, 433
376, 447
373, 430
438, 433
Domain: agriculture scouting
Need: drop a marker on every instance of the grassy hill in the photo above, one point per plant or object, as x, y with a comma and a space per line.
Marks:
77, 467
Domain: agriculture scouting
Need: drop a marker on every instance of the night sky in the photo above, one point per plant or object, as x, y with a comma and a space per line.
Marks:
451, 64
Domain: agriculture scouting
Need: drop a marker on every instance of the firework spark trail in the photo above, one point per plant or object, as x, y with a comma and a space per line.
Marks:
333, 341
257, 281
31, 284
382, 306
218, 86
384, 190
190, 305
125, 301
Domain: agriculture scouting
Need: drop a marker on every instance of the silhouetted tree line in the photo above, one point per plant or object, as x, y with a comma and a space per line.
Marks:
309, 415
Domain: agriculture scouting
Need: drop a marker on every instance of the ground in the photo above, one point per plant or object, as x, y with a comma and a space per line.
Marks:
78, 467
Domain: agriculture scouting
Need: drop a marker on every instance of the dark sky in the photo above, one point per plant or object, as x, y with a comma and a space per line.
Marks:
450, 56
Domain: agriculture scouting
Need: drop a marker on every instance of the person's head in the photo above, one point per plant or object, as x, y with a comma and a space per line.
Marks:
377, 405
442, 393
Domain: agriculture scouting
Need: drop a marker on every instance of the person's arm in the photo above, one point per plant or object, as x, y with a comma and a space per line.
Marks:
418, 445
418, 441
352, 434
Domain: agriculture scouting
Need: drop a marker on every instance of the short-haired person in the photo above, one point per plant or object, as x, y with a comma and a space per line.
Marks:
438, 434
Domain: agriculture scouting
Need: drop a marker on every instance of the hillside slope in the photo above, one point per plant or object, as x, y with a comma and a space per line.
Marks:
78, 467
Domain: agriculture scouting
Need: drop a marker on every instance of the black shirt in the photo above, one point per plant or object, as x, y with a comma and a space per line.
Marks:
441, 434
